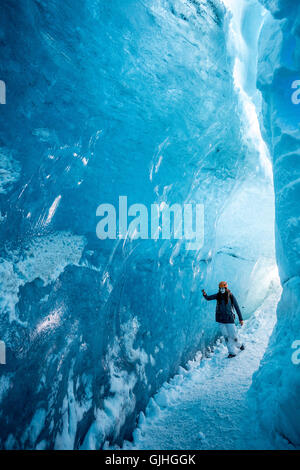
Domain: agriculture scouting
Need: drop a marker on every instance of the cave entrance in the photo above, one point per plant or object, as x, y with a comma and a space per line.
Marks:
248, 221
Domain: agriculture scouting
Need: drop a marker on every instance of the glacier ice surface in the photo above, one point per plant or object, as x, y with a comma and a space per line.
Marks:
278, 69
125, 98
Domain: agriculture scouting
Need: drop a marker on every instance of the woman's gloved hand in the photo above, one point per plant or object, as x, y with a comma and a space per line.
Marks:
204, 293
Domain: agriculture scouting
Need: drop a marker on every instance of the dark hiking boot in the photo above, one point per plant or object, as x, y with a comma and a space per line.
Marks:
231, 355
242, 348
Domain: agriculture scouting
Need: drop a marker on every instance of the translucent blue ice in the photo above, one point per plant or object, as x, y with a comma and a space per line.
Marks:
143, 99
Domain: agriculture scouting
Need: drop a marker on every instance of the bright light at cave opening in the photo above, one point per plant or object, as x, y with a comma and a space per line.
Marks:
244, 48
241, 48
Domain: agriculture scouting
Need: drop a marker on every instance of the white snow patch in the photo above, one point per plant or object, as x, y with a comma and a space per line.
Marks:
46, 257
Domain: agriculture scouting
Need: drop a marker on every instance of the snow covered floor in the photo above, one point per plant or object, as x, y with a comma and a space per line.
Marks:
205, 406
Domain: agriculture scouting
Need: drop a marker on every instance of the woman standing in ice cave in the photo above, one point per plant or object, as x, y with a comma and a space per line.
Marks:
226, 302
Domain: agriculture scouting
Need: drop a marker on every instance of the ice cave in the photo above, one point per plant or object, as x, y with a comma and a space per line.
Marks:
163, 102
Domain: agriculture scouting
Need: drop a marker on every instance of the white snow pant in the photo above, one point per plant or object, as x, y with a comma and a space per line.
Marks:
229, 332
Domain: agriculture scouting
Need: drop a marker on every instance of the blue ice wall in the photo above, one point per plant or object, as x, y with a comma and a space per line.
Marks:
279, 81
105, 99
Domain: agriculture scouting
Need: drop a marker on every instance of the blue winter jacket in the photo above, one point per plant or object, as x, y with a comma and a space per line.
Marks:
225, 312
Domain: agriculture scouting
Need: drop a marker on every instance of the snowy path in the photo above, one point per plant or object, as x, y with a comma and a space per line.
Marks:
205, 406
